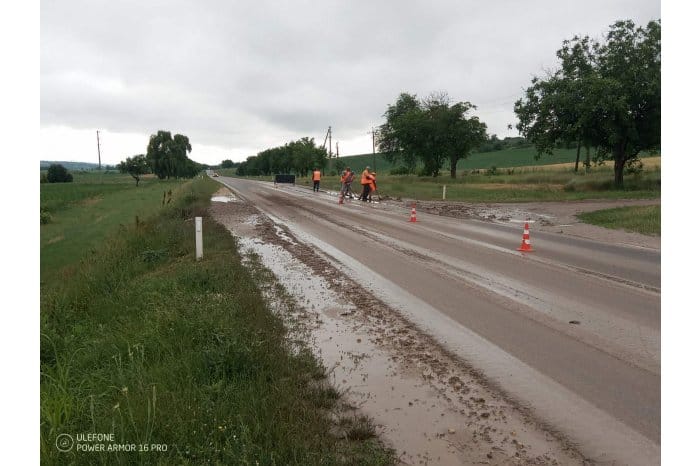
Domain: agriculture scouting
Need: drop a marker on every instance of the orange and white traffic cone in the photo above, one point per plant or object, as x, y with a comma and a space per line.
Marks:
413, 214
340, 198
525, 245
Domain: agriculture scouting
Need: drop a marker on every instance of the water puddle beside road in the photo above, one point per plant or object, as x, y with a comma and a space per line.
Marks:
230, 198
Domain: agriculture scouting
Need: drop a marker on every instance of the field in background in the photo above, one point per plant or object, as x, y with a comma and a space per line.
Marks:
83, 213
520, 184
507, 158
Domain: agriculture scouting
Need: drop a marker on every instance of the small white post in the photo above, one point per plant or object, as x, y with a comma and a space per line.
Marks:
198, 236
444, 190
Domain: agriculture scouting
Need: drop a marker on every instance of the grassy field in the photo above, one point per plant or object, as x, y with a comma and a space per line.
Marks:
524, 184
508, 158
82, 213
141, 341
645, 220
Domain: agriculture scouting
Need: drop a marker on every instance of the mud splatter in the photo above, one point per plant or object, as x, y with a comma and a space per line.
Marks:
431, 406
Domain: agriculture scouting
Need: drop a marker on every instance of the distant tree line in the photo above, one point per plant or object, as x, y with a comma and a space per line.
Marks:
298, 157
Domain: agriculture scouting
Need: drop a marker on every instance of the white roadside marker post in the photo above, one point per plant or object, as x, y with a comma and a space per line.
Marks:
444, 190
198, 236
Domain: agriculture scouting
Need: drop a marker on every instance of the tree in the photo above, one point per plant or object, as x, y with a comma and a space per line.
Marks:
227, 164
167, 156
432, 130
57, 173
605, 94
135, 166
305, 156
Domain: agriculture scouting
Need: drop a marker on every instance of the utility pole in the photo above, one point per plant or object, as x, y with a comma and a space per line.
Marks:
330, 143
337, 152
99, 157
374, 154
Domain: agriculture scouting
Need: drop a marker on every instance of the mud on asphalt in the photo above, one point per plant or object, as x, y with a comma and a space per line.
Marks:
494, 428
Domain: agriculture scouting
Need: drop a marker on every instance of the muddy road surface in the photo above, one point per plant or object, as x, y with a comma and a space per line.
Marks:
569, 333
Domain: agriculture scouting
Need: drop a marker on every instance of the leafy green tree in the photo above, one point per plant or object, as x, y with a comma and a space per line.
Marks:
227, 164
433, 130
167, 156
135, 166
57, 173
605, 94
305, 156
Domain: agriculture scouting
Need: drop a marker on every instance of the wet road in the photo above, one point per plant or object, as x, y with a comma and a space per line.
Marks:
507, 313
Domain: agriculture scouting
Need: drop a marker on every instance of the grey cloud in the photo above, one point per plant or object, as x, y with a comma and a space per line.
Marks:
245, 73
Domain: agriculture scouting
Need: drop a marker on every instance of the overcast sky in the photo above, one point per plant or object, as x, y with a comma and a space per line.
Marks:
238, 77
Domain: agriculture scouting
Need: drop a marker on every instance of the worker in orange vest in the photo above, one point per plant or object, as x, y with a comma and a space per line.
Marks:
317, 179
372, 184
343, 177
365, 182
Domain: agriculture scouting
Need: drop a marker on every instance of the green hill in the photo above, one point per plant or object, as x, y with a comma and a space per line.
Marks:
44, 165
512, 157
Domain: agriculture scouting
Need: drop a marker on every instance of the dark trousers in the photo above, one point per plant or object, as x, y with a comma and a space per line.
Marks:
365, 192
317, 184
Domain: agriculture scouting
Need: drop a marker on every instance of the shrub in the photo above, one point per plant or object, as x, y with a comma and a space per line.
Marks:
634, 166
57, 173
45, 217
401, 171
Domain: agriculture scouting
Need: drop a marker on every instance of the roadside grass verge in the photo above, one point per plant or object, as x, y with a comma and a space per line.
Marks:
643, 219
149, 344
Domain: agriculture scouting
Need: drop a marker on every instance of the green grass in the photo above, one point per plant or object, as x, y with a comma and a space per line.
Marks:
526, 184
145, 342
645, 219
522, 157
82, 213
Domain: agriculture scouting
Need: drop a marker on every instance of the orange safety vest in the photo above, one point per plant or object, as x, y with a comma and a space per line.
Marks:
372, 182
317, 175
343, 176
365, 177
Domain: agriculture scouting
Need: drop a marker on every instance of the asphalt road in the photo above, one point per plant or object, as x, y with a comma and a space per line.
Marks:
571, 330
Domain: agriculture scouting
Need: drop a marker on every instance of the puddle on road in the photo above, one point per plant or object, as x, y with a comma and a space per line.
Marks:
431, 411
229, 198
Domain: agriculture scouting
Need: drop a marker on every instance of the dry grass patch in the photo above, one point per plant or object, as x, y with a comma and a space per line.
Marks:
519, 187
55, 240
649, 162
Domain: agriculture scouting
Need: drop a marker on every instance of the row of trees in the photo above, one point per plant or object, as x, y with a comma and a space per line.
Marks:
299, 157
166, 157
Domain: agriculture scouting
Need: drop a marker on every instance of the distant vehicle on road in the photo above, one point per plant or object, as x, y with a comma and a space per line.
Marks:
214, 174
